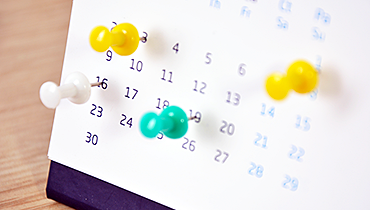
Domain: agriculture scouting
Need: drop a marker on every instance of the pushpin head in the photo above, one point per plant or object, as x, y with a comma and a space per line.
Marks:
179, 119
100, 39
124, 39
302, 76
150, 125
131, 36
50, 95
173, 122
277, 86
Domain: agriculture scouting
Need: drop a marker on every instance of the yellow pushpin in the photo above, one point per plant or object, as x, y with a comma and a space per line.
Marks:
301, 76
277, 86
124, 39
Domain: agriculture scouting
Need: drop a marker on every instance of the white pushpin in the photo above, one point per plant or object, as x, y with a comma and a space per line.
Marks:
76, 88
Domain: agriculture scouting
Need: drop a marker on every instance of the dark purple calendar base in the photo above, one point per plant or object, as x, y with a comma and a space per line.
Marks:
82, 191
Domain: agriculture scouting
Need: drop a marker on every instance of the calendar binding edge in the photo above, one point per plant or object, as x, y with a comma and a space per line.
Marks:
82, 191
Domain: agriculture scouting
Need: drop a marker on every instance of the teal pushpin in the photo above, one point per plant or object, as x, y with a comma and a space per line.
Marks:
173, 122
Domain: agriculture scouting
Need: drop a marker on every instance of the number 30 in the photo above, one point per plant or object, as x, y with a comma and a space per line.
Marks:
93, 138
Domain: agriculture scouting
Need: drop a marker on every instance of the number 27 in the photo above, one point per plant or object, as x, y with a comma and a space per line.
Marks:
219, 154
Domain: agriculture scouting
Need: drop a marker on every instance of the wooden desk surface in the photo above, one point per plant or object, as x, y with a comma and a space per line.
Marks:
32, 43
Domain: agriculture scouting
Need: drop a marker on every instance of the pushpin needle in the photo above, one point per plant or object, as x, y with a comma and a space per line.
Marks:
192, 118
95, 84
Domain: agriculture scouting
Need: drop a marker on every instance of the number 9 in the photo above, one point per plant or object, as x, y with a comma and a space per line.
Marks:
109, 54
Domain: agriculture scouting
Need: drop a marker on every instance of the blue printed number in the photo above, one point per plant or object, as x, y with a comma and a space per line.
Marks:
245, 12
317, 34
290, 183
215, 4
260, 140
296, 153
303, 123
318, 63
313, 94
281, 23
256, 170
267, 111
285, 6
321, 15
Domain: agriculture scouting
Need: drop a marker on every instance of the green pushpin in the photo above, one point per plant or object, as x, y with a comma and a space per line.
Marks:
173, 122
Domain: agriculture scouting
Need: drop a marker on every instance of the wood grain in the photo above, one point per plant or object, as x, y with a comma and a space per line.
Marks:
32, 43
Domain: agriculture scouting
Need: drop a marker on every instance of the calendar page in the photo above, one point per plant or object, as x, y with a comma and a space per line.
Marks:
211, 58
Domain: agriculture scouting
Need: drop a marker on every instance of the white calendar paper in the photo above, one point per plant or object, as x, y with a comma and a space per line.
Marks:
211, 58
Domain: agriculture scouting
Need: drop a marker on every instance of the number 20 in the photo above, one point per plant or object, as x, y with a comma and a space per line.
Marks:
228, 128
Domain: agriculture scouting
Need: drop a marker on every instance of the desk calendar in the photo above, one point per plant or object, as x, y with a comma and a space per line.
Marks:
211, 58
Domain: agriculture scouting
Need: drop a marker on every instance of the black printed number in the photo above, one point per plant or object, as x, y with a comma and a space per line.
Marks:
144, 39
189, 144
104, 83
109, 55
208, 58
233, 98
160, 136
123, 122
241, 69
169, 73
93, 138
197, 116
97, 109
227, 128
162, 105
176, 47
221, 156
202, 85
128, 92
138, 67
